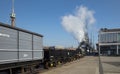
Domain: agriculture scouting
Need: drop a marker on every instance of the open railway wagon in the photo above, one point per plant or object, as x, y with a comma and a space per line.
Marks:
54, 56
21, 51
70, 55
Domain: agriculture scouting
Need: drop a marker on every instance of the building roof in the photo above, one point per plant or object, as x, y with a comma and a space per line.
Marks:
20, 29
110, 30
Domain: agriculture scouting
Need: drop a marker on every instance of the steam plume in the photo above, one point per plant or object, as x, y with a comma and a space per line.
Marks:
76, 23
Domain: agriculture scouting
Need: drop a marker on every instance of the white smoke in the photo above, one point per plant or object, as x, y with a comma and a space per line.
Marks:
76, 23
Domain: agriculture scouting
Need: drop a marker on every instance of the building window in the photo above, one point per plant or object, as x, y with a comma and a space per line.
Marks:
109, 37
115, 38
112, 37
119, 47
118, 37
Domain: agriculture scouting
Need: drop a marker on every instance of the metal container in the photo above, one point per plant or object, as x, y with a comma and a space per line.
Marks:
18, 45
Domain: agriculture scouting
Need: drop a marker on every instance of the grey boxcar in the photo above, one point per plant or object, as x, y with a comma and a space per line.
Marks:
19, 45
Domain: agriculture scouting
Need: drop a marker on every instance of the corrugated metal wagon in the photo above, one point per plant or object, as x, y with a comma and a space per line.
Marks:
19, 49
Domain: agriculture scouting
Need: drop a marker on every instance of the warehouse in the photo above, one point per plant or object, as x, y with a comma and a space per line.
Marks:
109, 41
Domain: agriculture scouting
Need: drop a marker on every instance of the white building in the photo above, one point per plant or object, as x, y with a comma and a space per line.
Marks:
109, 41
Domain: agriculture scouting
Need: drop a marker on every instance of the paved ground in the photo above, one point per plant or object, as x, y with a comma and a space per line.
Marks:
110, 65
86, 65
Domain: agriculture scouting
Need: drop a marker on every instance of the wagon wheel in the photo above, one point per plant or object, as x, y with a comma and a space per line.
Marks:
46, 65
54, 64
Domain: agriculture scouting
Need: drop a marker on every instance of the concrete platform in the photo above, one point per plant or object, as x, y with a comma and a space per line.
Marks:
86, 65
110, 65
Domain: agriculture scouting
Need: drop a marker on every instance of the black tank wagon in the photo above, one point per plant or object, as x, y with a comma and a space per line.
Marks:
20, 49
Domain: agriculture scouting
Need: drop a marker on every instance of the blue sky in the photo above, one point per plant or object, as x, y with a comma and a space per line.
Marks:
44, 17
